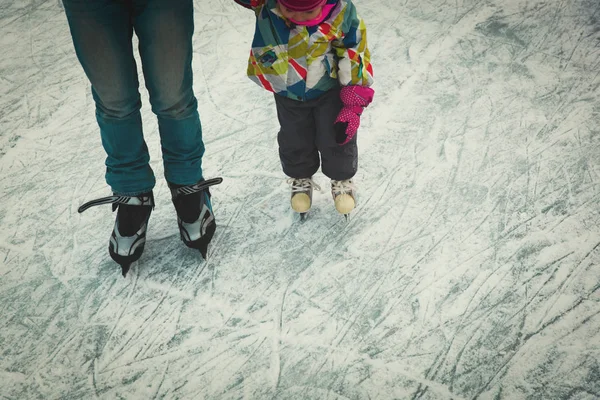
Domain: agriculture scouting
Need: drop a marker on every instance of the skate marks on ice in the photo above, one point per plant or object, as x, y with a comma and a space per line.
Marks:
469, 268
498, 188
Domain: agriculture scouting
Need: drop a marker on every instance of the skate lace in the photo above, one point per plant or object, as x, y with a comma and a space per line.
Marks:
303, 184
342, 187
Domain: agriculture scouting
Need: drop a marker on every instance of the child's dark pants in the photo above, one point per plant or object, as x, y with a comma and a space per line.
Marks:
307, 131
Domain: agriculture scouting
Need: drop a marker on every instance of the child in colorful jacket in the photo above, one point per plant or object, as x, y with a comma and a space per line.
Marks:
313, 55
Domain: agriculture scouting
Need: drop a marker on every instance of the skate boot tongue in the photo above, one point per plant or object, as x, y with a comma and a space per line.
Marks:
131, 217
188, 207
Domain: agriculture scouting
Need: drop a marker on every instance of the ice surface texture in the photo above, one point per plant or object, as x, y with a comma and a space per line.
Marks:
470, 269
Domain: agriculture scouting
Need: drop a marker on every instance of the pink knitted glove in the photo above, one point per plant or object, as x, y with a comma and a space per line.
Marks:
355, 99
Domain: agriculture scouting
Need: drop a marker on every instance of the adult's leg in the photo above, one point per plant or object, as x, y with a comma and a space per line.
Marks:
102, 32
164, 29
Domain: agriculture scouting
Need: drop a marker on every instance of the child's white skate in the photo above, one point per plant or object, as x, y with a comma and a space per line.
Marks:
302, 190
343, 193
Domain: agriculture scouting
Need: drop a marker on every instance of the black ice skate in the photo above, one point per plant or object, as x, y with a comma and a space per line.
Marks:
128, 237
194, 213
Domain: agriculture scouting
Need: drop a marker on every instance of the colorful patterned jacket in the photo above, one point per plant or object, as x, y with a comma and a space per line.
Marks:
302, 62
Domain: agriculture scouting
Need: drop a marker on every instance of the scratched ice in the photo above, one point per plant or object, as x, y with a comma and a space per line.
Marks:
470, 269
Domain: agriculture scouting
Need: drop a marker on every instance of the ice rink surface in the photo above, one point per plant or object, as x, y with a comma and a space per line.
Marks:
469, 270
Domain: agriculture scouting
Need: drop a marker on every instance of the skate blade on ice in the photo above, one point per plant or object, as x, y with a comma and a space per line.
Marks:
125, 261
125, 269
202, 243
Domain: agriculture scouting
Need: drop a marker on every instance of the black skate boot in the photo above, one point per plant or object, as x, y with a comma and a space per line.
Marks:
128, 237
194, 213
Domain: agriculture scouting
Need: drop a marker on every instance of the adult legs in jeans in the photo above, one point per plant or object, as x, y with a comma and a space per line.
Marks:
164, 29
102, 35
102, 31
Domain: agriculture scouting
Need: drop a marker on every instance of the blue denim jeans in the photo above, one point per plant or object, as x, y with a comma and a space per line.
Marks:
102, 32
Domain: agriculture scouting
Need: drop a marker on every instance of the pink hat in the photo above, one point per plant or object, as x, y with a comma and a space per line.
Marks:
302, 5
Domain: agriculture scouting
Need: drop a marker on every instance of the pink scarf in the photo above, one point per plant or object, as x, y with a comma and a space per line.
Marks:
316, 21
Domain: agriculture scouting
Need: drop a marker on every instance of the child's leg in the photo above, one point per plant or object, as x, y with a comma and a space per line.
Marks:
297, 149
338, 162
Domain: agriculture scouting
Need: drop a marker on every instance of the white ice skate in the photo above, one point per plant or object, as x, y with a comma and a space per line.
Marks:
302, 190
343, 193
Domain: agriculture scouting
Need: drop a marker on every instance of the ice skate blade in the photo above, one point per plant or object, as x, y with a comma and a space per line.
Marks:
125, 269
300, 202
202, 243
303, 216
126, 261
203, 248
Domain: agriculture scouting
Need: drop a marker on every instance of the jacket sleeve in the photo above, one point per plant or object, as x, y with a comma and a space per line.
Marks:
251, 4
354, 58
